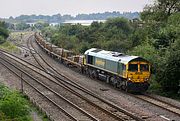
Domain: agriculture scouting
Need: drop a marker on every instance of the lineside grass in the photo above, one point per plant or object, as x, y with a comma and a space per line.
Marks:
8, 46
15, 107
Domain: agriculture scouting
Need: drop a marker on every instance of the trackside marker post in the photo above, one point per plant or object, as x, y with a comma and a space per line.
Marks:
22, 88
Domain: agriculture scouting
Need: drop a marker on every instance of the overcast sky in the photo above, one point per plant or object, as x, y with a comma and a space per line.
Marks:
73, 7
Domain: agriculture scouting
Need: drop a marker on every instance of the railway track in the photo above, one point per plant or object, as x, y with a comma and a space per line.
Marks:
34, 53
53, 97
160, 103
112, 112
108, 108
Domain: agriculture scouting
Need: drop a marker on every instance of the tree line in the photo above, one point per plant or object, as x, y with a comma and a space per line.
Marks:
58, 18
155, 36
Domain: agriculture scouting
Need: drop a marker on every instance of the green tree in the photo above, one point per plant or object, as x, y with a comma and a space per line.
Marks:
2, 40
22, 26
156, 18
162, 29
41, 25
160, 10
169, 78
115, 34
3, 32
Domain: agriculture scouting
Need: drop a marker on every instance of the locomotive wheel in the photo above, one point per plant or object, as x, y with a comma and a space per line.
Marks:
92, 73
89, 72
95, 74
82, 70
123, 86
113, 81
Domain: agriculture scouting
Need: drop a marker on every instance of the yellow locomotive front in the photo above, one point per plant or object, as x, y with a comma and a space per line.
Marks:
138, 74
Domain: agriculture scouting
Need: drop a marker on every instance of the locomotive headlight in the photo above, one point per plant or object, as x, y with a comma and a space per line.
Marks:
129, 79
146, 79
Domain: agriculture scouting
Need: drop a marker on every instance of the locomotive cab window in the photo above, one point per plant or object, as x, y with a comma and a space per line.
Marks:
90, 59
144, 67
133, 67
123, 67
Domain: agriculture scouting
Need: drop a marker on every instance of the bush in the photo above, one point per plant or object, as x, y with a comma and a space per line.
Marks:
2, 40
13, 106
170, 76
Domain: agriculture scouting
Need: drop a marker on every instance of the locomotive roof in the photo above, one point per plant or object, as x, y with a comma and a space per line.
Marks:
110, 55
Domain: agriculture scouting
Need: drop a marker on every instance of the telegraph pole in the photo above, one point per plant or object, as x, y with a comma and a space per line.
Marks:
21, 37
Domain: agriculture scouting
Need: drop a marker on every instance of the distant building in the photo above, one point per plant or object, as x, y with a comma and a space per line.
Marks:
82, 22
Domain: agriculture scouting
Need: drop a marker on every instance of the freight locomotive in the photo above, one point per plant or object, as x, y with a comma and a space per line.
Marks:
130, 73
